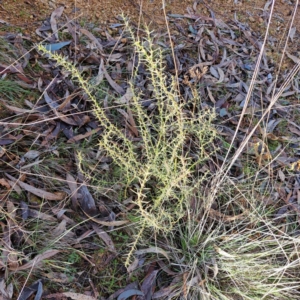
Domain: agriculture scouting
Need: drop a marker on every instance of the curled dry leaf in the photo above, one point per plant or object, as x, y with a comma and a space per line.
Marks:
126, 98
4, 183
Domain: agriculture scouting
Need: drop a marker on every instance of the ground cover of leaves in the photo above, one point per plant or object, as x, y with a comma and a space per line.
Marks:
63, 235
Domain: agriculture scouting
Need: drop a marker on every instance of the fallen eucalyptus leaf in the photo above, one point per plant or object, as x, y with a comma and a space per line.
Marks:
125, 295
38, 192
153, 250
56, 46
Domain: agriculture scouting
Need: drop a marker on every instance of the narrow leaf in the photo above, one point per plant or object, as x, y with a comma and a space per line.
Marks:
36, 191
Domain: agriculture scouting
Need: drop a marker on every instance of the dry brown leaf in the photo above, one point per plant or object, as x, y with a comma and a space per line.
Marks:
294, 58
66, 101
61, 228
4, 183
81, 119
15, 187
11, 209
65, 119
74, 189
56, 296
6, 292
2, 151
87, 202
261, 150
130, 121
13, 68
56, 14
125, 99
40, 215
56, 277
92, 38
294, 130
149, 284
156, 250
85, 235
133, 265
106, 223
98, 79
281, 175
82, 136
210, 95
34, 262
32, 154
36, 191
69, 295
16, 110
220, 216
166, 269
113, 84
105, 237
164, 292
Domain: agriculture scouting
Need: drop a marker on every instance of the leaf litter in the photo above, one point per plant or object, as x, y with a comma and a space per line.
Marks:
63, 114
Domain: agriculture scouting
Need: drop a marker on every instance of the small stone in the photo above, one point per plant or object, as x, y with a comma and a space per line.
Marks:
261, 20
251, 19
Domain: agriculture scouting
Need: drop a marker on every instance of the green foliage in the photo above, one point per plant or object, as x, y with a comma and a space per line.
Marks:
160, 164
12, 90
